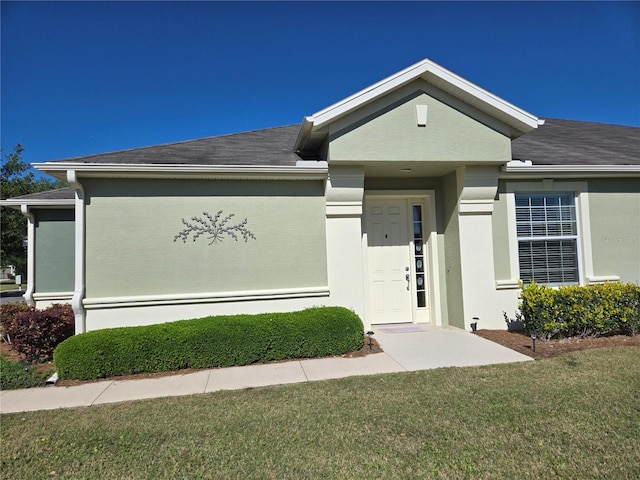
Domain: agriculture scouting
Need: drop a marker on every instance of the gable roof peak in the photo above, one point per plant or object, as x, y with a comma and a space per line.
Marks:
517, 119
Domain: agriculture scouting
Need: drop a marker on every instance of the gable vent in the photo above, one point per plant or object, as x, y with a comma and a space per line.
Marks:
421, 115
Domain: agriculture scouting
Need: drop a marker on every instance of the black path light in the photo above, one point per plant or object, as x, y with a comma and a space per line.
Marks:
534, 335
474, 324
370, 334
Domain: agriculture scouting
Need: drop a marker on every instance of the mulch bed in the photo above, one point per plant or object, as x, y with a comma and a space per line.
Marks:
521, 342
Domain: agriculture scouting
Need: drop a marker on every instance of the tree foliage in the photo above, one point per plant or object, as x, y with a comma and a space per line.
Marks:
17, 178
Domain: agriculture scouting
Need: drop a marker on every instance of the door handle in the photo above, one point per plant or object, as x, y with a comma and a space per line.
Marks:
408, 277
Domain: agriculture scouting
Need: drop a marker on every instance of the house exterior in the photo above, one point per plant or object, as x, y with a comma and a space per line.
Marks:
50, 245
420, 199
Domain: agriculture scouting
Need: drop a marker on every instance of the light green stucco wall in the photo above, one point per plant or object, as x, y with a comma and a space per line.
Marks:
500, 229
614, 219
614, 207
131, 225
453, 269
54, 250
386, 130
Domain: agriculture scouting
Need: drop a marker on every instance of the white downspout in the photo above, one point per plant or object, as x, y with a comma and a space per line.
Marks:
78, 291
31, 249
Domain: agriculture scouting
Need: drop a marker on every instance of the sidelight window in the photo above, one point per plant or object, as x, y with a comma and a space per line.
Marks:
419, 256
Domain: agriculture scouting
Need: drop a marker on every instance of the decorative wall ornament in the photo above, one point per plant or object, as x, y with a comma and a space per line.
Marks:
216, 227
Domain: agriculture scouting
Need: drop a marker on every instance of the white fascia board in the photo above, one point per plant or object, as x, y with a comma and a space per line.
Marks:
47, 203
409, 74
249, 172
303, 134
525, 170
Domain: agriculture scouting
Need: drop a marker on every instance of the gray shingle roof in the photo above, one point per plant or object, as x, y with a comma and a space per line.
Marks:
569, 142
58, 194
271, 146
557, 142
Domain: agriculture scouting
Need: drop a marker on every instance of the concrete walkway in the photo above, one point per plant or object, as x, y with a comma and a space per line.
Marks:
406, 348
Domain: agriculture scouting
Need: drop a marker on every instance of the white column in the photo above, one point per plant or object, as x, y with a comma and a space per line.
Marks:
344, 195
31, 259
477, 187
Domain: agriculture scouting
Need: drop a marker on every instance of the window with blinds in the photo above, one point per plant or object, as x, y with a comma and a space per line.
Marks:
547, 238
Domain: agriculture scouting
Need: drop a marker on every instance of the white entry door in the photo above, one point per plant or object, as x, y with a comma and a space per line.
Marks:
389, 256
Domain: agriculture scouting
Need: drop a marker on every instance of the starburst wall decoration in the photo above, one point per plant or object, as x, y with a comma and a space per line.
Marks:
214, 226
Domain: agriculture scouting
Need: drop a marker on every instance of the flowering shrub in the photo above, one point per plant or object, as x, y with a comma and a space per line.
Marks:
581, 311
35, 333
8, 313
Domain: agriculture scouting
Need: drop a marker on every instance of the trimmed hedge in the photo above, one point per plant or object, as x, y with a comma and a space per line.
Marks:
581, 311
209, 342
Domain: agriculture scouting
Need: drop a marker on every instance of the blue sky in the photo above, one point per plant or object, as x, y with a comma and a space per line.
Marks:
89, 77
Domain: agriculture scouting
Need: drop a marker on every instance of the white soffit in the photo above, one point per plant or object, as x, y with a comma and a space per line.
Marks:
439, 77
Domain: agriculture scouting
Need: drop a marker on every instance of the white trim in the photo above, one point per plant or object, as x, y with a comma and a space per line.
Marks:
52, 203
128, 316
525, 170
312, 163
52, 296
207, 297
226, 172
31, 259
304, 132
593, 280
425, 68
421, 115
510, 284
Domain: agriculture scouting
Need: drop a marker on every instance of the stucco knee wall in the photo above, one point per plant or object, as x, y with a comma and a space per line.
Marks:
47, 299
128, 316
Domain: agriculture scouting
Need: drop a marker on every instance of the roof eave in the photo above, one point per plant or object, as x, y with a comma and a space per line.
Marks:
303, 134
518, 169
249, 172
16, 203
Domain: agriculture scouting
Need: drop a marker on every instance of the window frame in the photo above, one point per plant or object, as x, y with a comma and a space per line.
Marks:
537, 231
583, 241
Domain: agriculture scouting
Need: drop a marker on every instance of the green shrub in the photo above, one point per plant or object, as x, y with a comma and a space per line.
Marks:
35, 333
14, 375
209, 342
581, 311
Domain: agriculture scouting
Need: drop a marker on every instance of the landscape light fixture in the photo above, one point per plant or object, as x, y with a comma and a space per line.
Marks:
369, 334
534, 335
474, 324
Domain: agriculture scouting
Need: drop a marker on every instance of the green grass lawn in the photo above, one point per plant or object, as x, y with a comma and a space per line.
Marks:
11, 287
14, 375
572, 417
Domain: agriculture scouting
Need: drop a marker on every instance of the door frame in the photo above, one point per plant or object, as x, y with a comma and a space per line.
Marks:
426, 198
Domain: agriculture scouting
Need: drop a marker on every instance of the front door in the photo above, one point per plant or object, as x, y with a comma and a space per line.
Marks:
389, 257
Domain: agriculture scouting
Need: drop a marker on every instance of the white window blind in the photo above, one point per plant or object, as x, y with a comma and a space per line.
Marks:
547, 237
